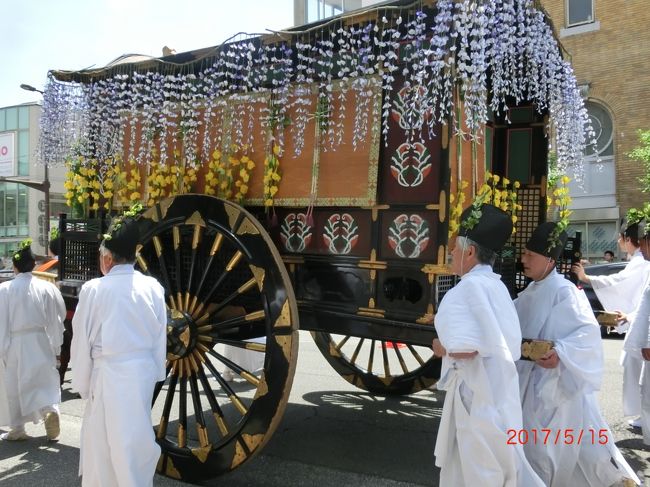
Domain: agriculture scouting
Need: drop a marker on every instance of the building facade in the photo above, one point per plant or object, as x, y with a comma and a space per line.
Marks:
22, 209
608, 44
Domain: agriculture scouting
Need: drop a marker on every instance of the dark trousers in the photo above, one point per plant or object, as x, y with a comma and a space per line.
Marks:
65, 348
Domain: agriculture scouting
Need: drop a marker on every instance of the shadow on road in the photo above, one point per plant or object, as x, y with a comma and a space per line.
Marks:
39, 462
387, 437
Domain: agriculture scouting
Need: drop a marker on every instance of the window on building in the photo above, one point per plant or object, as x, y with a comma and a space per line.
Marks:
323, 9
579, 12
597, 237
598, 186
23, 117
11, 121
13, 210
22, 151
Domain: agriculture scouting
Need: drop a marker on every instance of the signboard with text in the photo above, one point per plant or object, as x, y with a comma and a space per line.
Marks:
7, 154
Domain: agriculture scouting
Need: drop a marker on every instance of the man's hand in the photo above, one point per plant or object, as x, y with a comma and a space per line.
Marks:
438, 349
549, 360
620, 317
579, 271
645, 352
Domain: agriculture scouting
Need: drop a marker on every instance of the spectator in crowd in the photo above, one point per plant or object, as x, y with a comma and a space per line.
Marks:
558, 387
118, 354
608, 256
479, 339
621, 292
31, 333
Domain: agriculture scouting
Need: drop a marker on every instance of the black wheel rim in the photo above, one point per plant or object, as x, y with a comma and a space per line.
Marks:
225, 286
379, 366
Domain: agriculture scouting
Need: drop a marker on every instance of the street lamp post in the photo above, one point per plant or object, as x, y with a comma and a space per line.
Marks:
31, 88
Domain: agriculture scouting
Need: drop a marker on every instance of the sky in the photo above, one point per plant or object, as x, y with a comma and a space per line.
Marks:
39, 35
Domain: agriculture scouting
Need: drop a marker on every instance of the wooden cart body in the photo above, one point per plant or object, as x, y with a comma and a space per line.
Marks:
358, 231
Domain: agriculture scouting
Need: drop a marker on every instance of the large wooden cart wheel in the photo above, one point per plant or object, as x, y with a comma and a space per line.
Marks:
380, 366
230, 304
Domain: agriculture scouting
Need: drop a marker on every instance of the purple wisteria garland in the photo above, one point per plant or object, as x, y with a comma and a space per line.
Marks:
458, 47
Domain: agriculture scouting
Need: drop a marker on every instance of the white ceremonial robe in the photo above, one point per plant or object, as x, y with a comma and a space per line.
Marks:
118, 354
562, 399
31, 333
622, 291
482, 393
251, 361
638, 338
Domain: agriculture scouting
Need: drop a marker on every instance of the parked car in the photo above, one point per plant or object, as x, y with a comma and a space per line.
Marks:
6, 275
596, 306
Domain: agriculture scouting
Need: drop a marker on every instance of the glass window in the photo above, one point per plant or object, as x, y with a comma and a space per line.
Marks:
313, 12
23, 117
579, 12
10, 207
12, 118
2, 205
603, 127
2, 120
23, 153
597, 237
599, 171
22, 205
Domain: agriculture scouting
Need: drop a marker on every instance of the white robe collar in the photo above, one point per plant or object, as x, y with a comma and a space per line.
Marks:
483, 268
23, 275
121, 269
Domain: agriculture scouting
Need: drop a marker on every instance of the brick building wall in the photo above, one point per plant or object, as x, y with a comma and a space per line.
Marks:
614, 60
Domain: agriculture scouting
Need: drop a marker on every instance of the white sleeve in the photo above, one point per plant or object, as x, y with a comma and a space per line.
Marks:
55, 309
638, 333
580, 348
5, 332
81, 361
161, 349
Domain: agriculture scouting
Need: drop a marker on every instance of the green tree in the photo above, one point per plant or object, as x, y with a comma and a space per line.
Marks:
641, 153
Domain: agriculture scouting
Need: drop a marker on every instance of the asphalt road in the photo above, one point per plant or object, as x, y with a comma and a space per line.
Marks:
332, 434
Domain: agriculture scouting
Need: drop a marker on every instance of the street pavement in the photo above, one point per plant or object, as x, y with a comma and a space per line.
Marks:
332, 434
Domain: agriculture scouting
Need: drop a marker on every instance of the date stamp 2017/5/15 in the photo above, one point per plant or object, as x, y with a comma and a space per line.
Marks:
562, 436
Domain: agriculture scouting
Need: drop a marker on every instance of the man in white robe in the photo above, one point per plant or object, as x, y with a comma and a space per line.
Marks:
558, 389
479, 339
622, 292
637, 342
31, 332
118, 355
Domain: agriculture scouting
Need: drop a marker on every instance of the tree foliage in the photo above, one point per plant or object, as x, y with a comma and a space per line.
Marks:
641, 153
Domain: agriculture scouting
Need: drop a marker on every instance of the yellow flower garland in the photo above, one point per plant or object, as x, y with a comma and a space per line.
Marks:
86, 187
561, 200
228, 176
496, 190
272, 175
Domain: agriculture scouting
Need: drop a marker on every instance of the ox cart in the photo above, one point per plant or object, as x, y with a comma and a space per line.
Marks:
307, 179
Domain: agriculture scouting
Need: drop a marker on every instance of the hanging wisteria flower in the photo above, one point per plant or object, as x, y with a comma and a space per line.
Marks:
483, 53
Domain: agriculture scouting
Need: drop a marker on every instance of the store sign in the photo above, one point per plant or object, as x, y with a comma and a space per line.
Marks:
7, 154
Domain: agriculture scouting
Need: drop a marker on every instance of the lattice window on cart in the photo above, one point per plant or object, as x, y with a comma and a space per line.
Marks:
529, 197
444, 282
81, 260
